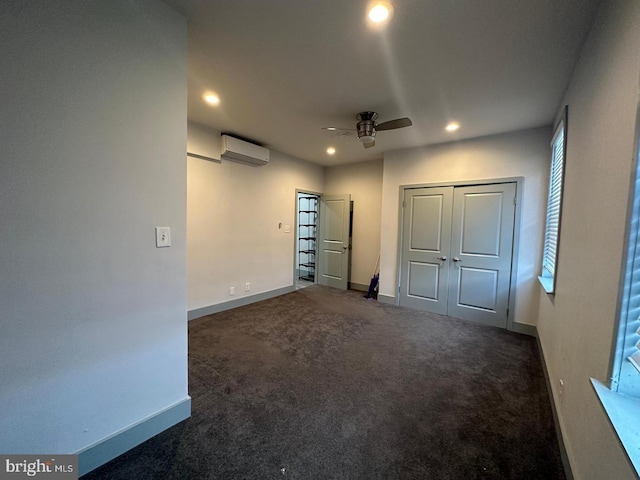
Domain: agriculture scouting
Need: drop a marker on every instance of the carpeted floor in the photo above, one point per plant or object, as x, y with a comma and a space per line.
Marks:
323, 384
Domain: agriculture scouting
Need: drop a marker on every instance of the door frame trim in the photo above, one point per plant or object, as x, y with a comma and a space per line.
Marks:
512, 325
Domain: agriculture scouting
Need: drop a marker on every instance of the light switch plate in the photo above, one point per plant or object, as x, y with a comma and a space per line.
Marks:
163, 237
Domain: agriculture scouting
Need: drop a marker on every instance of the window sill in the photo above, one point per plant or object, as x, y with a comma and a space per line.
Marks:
623, 415
548, 284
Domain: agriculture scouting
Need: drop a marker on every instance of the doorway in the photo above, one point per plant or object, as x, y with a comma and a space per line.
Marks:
323, 239
308, 205
457, 250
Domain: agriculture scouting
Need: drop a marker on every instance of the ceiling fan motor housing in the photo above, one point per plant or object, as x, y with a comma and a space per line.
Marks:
367, 126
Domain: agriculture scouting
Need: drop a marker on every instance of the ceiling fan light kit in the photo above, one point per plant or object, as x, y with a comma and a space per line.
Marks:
367, 127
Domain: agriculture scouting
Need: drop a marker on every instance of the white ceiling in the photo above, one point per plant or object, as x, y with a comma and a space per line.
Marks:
285, 68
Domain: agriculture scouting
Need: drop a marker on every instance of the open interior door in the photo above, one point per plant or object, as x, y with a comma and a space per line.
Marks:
334, 241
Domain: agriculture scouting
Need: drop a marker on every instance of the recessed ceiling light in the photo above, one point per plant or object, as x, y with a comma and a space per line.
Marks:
211, 98
331, 150
452, 127
379, 12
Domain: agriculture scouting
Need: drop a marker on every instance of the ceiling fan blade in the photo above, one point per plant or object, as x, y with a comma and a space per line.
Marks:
338, 129
393, 124
370, 144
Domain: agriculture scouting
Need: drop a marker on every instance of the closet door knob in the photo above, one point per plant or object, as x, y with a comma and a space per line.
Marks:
442, 258
456, 259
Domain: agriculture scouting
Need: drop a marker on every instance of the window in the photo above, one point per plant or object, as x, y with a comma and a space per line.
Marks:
622, 400
625, 376
554, 206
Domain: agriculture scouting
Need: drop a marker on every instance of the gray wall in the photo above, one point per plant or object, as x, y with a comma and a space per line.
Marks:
92, 141
577, 325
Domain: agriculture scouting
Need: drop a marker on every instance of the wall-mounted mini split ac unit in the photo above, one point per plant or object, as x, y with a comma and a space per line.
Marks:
243, 152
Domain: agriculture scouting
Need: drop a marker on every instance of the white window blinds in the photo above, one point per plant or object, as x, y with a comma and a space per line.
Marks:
553, 203
626, 378
632, 333
554, 206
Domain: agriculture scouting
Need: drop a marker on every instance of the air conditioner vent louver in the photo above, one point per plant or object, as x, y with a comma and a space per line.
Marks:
236, 150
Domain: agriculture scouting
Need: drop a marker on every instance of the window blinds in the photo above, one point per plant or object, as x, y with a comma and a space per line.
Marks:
632, 329
625, 377
554, 203
632, 345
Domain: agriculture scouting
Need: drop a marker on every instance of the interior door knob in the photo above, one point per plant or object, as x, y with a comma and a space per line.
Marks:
456, 259
442, 258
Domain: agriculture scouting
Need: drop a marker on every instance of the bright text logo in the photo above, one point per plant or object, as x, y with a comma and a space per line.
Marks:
49, 467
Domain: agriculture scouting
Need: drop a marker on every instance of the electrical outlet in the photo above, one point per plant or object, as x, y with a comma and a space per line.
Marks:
247, 287
232, 290
163, 237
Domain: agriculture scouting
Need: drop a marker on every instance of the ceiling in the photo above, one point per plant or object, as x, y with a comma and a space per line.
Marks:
284, 69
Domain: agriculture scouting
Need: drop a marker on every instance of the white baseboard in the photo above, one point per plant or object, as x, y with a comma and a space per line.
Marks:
360, 287
238, 302
105, 450
556, 421
523, 328
388, 299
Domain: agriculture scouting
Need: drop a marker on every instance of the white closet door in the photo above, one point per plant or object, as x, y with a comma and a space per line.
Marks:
426, 242
457, 247
481, 253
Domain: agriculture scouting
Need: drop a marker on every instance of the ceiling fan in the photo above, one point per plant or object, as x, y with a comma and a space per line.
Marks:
367, 127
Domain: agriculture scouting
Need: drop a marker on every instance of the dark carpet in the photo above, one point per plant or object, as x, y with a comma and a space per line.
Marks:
324, 384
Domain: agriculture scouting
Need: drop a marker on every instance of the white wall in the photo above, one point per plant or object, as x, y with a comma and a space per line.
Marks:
233, 212
576, 326
92, 140
518, 154
364, 182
